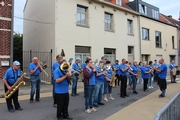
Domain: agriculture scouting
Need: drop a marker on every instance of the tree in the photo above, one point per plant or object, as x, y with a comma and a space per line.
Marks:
17, 47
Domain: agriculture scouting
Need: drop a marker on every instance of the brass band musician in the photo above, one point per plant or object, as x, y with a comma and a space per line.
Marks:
172, 68
10, 77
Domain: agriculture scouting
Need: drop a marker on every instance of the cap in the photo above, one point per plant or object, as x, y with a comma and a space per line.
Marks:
78, 58
16, 63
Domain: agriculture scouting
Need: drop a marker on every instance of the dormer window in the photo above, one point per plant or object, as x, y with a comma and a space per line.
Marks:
155, 14
143, 9
118, 2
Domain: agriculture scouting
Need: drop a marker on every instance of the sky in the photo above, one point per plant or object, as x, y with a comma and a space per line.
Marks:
167, 7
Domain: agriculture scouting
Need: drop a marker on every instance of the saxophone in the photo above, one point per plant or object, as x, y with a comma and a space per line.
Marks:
15, 86
114, 78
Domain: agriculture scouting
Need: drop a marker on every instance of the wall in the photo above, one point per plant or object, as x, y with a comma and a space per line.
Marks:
167, 31
5, 33
68, 34
39, 34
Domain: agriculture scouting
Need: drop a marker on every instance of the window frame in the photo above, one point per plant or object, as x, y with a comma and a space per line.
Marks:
160, 39
82, 13
130, 26
143, 32
106, 23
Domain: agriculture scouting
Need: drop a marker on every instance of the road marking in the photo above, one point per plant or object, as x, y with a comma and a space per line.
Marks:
43, 95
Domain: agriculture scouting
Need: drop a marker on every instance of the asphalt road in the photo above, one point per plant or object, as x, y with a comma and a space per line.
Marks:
45, 110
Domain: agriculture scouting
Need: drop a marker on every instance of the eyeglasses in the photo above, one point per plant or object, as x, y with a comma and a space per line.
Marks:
90, 62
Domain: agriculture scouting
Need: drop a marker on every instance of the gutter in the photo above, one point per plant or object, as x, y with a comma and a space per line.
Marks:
12, 31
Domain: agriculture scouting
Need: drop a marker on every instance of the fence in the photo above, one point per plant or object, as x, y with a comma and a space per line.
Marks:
44, 57
171, 111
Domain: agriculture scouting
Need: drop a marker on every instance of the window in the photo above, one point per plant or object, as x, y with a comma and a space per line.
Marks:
110, 54
172, 42
118, 2
130, 50
130, 26
155, 14
145, 34
172, 57
143, 9
82, 52
108, 21
81, 15
158, 39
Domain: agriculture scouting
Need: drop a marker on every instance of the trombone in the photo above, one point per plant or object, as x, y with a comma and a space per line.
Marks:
42, 66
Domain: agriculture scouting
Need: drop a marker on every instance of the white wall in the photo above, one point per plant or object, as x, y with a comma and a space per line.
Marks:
67, 34
39, 36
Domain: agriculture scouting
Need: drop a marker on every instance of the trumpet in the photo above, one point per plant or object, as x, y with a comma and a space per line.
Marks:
42, 66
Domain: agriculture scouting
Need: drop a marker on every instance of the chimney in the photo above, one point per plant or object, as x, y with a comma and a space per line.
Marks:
170, 16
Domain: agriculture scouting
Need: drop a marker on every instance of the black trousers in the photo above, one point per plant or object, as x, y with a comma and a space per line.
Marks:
123, 85
145, 83
118, 79
62, 105
14, 97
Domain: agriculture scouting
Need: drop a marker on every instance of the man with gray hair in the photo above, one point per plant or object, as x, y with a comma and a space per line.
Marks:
162, 72
172, 67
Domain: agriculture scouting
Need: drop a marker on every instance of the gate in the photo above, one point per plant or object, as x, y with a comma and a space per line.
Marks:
45, 58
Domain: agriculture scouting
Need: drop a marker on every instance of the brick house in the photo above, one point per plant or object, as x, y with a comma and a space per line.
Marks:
6, 34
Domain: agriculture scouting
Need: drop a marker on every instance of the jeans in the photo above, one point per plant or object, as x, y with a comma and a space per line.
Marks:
134, 82
140, 78
149, 81
74, 85
89, 91
98, 92
35, 86
129, 78
106, 84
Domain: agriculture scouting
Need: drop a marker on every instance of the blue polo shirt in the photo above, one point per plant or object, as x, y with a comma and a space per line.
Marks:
143, 70
55, 65
32, 66
155, 64
109, 73
83, 65
61, 87
123, 66
92, 79
12, 76
171, 66
163, 72
134, 69
75, 66
117, 66
101, 77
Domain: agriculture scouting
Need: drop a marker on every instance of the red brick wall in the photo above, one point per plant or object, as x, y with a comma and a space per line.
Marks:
5, 36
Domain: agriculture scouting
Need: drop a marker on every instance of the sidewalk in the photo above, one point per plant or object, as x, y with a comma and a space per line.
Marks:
25, 90
147, 107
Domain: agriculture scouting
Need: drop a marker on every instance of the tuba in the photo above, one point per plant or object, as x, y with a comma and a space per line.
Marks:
15, 87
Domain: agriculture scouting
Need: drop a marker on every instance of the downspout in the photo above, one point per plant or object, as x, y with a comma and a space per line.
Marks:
140, 41
12, 31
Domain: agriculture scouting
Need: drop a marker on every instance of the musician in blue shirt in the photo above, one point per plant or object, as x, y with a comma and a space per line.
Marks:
134, 72
76, 69
155, 79
10, 77
173, 76
117, 70
123, 77
62, 92
162, 72
145, 72
35, 71
56, 64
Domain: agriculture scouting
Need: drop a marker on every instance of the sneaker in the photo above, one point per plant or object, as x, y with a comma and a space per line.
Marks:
93, 110
55, 105
152, 87
149, 87
105, 99
88, 111
111, 98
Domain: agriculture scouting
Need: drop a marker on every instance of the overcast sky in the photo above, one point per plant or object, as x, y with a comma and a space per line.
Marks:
167, 7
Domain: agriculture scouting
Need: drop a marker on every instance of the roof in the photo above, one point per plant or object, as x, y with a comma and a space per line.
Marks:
173, 21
